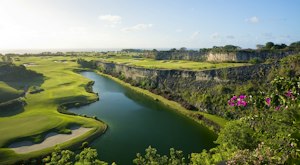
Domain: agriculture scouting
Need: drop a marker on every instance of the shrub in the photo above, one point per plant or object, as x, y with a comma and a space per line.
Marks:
255, 60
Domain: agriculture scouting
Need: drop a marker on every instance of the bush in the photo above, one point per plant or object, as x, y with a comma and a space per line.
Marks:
256, 60
84, 145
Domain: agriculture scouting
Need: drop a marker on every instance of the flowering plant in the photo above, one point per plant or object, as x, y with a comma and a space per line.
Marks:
286, 92
238, 101
268, 132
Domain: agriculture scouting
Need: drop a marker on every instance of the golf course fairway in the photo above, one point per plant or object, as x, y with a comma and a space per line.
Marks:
40, 116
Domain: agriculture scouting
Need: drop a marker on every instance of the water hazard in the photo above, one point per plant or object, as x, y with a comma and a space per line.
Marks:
136, 121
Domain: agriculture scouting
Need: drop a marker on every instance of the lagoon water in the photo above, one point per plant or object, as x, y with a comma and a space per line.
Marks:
136, 121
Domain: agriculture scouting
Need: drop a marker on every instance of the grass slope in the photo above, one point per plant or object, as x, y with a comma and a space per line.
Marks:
7, 92
40, 116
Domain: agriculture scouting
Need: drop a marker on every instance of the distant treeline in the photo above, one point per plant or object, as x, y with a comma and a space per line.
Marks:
132, 50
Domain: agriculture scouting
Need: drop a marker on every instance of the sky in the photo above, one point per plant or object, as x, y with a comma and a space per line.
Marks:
88, 24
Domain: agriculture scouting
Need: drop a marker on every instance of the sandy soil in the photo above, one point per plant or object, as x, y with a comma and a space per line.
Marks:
51, 139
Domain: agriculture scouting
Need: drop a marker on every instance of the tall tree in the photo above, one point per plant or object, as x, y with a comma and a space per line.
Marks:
269, 45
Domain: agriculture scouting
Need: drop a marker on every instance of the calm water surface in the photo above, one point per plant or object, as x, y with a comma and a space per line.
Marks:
136, 121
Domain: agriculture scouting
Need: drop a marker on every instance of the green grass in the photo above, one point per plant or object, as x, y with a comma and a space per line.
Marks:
7, 92
40, 116
167, 64
172, 104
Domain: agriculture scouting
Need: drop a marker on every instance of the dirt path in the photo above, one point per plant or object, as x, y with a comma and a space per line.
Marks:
51, 139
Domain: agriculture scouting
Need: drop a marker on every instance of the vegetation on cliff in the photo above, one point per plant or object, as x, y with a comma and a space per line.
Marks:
213, 98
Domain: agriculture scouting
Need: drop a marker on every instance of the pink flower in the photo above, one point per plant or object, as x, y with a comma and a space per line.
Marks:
241, 103
268, 101
233, 98
237, 101
289, 93
231, 103
242, 97
244, 103
277, 108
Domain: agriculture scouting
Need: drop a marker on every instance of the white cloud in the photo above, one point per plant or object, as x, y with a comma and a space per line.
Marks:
215, 36
252, 20
194, 35
137, 27
111, 19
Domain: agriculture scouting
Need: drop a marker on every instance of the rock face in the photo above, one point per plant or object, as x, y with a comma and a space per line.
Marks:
236, 56
244, 56
222, 57
180, 85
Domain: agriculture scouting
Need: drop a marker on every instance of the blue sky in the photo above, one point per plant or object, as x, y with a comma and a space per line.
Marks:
65, 24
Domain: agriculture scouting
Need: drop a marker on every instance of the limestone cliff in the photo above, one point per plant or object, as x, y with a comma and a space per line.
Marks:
245, 55
234, 56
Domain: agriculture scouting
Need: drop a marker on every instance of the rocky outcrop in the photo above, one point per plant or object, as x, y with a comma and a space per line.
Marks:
244, 55
221, 57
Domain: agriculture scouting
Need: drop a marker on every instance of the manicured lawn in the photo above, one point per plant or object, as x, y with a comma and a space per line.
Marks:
40, 116
168, 64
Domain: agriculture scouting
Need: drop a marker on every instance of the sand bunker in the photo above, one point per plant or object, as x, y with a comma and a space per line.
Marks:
29, 64
60, 61
51, 140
